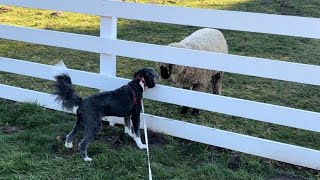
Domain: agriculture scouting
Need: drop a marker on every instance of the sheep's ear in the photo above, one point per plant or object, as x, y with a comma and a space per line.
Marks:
177, 45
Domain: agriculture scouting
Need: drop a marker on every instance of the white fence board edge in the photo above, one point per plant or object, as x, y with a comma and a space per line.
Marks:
234, 141
78, 6
221, 19
238, 142
232, 20
258, 67
232, 106
53, 38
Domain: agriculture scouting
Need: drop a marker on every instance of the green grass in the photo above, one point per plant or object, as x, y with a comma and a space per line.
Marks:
34, 152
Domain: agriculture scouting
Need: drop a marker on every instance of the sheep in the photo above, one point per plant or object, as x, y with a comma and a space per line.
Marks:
191, 78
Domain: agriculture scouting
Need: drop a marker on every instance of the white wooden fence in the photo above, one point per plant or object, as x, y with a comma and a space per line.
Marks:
109, 47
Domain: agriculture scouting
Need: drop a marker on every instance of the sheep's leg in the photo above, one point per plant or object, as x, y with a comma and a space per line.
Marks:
184, 109
197, 87
217, 83
195, 111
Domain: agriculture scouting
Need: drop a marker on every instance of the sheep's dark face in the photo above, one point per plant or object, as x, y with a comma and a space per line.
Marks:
166, 70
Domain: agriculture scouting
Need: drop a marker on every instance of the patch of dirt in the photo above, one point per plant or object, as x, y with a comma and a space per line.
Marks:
266, 2
287, 7
286, 177
10, 129
60, 150
171, 2
110, 136
155, 138
218, 149
56, 14
5, 9
116, 141
235, 162
287, 4
60, 139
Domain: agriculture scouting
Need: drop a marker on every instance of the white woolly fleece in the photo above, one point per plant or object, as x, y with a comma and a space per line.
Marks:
206, 40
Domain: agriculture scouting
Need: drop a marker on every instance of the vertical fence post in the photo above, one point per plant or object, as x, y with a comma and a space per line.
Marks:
108, 62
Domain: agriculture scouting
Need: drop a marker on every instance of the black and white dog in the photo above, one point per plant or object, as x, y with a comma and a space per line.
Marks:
123, 102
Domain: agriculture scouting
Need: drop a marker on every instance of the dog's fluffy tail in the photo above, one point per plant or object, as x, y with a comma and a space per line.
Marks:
65, 92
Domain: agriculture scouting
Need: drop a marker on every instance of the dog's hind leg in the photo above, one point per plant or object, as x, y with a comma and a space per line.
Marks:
136, 130
92, 128
71, 135
127, 126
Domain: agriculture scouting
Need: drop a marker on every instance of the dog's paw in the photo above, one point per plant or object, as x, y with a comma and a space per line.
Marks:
142, 146
87, 159
128, 131
131, 134
68, 145
139, 143
111, 124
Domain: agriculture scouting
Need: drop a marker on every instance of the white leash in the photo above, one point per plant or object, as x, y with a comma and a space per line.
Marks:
147, 144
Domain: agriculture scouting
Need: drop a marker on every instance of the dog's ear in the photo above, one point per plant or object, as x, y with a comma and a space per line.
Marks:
149, 78
137, 73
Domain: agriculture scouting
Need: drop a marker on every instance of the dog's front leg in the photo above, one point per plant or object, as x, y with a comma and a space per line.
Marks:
127, 126
136, 129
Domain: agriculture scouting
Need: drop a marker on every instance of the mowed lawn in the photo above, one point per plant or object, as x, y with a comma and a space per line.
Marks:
31, 138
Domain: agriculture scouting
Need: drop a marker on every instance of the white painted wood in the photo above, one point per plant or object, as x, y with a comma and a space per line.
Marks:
53, 38
25, 95
221, 19
82, 78
258, 67
234, 141
231, 106
79, 6
108, 62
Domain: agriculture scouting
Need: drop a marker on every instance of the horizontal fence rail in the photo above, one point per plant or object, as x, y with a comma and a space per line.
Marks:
234, 141
258, 67
54, 38
236, 107
109, 11
222, 19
